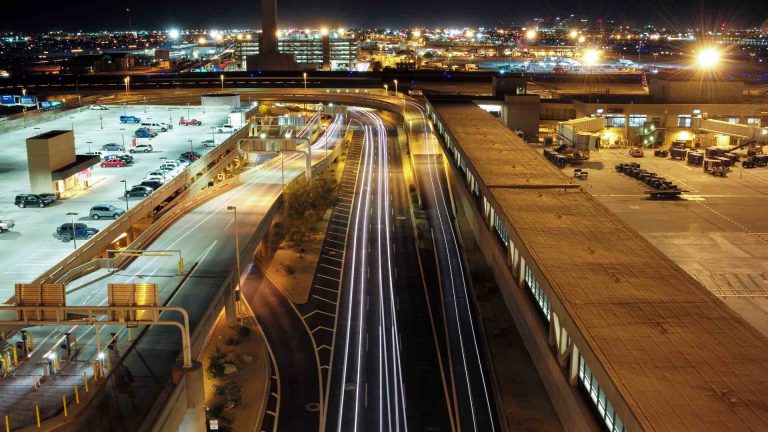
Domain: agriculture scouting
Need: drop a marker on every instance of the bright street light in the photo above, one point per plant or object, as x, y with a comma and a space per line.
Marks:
530, 34
708, 58
591, 57
127, 81
573, 34
395, 81
173, 33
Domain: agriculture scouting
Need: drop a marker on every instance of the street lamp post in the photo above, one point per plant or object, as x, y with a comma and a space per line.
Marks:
101, 121
386, 89
188, 110
190, 146
237, 245
127, 82
305, 94
125, 188
395, 81
74, 232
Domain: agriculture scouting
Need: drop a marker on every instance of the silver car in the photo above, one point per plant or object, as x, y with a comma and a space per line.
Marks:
106, 211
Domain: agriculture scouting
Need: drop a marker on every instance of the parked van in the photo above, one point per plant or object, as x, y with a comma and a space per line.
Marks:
162, 127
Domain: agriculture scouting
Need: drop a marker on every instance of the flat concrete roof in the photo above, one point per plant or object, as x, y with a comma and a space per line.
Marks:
499, 160
679, 357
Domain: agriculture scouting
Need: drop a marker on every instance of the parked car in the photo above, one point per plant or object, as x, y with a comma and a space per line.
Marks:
636, 152
128, 159
139, 191
6, 224
155, 127
113, 163
183, 162
144, 133
208, 143
129, 119
112, 147
68, 231
34, 200
158, 175
226, 129
97, 107
154, 184
94, 153
146, 148
189, 122
105, 211
171, 164
191, 156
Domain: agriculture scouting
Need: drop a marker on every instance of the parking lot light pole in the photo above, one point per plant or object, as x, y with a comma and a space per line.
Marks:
74, 233
187, 110
101, 121
395, 81
222, 82
125, 188
190, 146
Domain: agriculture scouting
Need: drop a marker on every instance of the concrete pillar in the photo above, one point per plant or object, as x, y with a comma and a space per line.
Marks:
573, 371
194, 418
230, 303
521, 276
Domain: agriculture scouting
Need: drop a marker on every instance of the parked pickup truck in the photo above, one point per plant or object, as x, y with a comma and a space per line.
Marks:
6, 224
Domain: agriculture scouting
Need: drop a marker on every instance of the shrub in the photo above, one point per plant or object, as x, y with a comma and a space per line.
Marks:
244, 332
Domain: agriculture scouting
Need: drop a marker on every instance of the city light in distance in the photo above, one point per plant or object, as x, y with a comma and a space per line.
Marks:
530, 34
708, 58
573, 34
173, 33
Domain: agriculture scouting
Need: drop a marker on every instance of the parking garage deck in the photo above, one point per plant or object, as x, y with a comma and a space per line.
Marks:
667, 354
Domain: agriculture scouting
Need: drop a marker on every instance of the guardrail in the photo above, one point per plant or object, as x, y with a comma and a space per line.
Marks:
212, 161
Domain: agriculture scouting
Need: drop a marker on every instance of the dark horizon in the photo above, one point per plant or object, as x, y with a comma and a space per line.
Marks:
94, 15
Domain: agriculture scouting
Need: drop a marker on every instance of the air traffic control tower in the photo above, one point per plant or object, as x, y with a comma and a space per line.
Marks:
269, 58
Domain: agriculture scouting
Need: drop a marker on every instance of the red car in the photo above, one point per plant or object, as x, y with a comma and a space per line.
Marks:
189, 122
113, 163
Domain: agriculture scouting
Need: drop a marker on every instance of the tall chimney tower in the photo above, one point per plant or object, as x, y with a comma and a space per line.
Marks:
269, 58
268, 27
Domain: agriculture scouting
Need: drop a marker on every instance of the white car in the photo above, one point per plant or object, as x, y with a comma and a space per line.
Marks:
226, 129
97, 107
157, 176
146, 148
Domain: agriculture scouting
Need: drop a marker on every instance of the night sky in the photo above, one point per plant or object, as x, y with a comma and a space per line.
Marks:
37, 15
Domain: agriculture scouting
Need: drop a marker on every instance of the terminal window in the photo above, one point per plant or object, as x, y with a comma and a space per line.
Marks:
614, 121
683, 121
637, 120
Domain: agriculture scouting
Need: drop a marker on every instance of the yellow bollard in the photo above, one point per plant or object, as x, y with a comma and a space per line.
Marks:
85, 382
31, 342
181, 265
37, 415
64, 404
7, 423
95, 371
77, 396
109, 364
15, 357
56, 363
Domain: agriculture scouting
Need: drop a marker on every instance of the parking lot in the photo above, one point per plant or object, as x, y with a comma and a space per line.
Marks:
31, 247
718, 231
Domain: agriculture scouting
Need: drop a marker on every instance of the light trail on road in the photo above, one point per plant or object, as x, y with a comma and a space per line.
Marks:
371, 349
474, 398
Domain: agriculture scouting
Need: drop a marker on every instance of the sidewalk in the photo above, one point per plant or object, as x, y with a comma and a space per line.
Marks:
249, 381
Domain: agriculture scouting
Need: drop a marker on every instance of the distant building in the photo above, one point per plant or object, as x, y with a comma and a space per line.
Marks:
97, 63
312, 51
